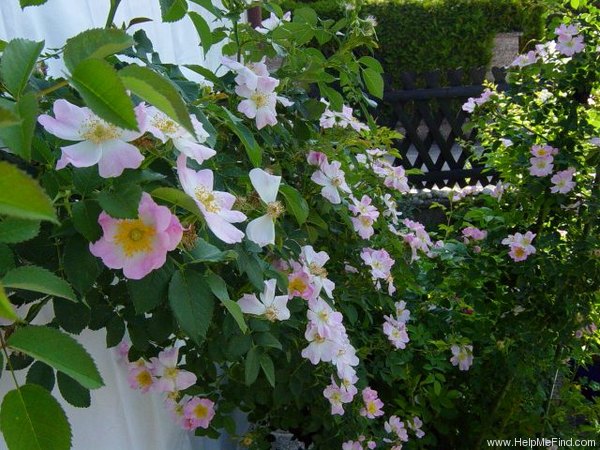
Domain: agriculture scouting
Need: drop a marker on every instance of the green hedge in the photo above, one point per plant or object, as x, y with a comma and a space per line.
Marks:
422, 35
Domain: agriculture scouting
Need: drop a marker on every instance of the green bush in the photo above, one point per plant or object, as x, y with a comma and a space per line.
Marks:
423, 35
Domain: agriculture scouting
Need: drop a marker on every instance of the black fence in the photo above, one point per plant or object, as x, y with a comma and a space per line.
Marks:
427, 110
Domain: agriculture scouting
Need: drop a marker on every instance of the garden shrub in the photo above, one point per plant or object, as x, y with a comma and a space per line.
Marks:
420, 36
246, 245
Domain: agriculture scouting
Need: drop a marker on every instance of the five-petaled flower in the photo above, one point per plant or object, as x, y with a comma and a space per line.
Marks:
100, 143
272, 307
138, 246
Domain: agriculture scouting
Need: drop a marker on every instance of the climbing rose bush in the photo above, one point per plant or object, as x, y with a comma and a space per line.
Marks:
248, 243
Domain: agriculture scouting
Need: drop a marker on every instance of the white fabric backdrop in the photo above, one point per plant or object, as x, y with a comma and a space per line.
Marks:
119, 418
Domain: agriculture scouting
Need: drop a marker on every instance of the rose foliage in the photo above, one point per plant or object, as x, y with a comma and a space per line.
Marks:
246, 242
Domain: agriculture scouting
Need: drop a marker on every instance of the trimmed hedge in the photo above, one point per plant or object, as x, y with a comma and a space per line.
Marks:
423, 35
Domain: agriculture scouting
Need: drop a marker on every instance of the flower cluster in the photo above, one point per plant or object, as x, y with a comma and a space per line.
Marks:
380, 263
520, 245
569, 41
365, 215
163, 375
397, 428
473, 103
343, 119
417, 238
257, 88
395, 327
542, 160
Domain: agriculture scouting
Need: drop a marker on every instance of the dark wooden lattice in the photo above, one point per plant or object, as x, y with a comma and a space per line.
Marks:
431, 118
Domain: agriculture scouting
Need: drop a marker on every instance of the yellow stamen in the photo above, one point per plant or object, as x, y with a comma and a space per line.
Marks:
275, 209
134, 236
98, 131
208, 199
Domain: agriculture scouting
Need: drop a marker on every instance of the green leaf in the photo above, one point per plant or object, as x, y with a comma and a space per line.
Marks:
192, 304
252, 366
7, 310
173, 10
203, 30
58, 350
72, 317
177, 198
81, 267
72, 391
25, 3
295, 202
31, 419
268, 368
246, 137
373, 81
219, 288
85, 219
158, 91
206, 73
13, 230
335, 98
115, 331
121, 204
96, 43
38, 279
267, 340
42, 375
19, 137
208, 5
103, 91
206, 252
152, 290
8, 118
17, 63
306, 15
371, 62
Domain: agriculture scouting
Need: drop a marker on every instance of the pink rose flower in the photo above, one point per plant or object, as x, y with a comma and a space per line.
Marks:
138, 246
100, 143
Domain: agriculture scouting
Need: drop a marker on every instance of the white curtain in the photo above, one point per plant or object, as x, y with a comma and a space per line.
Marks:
119, 418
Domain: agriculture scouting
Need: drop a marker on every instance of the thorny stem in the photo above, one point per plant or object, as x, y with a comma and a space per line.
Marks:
10, 366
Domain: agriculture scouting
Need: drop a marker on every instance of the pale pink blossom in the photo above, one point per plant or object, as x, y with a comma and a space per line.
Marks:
566, 30
316, 158
215, 206
379, 260
543, 151
352, 445
391, 212
100, 143
416, 425
270, 306
165, 128
259, 102
363, 225
262, 230
170, 377
395, 176
324, 318
396, 426
343, 119
372, 404
299, 283
337, 397
472, 233
541, 167
402, 313
462, 356
332, 178
525, 59
314, 262
139, 376
520, 245
396, 332
248, 74
273, 22
563, 181
199, 412
418, 239
570, 45
319, 348
138, 246
473, 103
